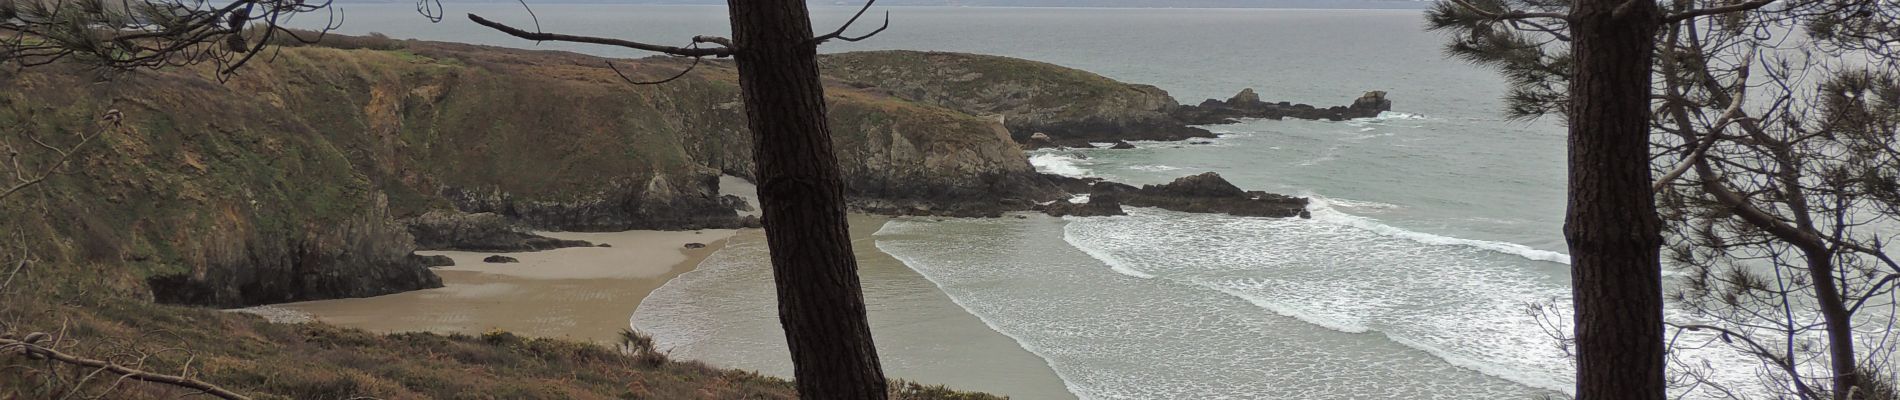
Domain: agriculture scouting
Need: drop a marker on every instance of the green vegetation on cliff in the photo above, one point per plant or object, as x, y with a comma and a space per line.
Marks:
1030, 96
291, 181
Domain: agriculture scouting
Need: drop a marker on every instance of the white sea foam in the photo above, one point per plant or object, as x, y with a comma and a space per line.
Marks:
1059, 164
1266, 302
1361, 204
1113, 263
1324, 212
1451, 302
1154, 168
1506, 372
1110, 337
1395, 115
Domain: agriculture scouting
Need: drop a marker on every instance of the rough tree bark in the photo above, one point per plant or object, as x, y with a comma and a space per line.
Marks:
1611, 222
821, 304
1839, 323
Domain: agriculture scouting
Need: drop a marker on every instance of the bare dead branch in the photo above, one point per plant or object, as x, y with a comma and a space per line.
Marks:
681, 74
556, 37
839, 34
1734, 110
1509, 15
1745, 6
64, 156
29, 347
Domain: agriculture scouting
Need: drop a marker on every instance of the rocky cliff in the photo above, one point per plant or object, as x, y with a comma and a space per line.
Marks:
284, 183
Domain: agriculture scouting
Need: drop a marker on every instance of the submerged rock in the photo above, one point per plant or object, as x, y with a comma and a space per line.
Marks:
695, 245
1122, 145
500, 259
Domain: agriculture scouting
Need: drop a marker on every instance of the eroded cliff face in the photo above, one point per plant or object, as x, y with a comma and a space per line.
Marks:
204, 195
283, 184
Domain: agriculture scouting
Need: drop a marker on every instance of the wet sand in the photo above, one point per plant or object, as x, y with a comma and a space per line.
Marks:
724, 313
583, 293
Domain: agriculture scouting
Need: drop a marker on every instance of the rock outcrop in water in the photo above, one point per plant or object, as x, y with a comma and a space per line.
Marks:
1247, 104
1204, 193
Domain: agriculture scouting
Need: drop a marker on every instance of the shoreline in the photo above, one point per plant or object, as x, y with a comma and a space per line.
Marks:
581, 293
723, 314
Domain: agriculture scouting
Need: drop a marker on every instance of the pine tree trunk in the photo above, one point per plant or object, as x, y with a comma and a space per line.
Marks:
821, 304
1838, 322
1611, 224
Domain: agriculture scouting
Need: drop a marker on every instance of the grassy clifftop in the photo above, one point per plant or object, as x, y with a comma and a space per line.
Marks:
1032, 97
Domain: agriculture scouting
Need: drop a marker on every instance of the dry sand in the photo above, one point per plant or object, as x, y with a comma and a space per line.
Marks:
583, 293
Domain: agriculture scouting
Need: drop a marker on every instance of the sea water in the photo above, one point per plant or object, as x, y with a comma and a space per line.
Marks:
1435, 227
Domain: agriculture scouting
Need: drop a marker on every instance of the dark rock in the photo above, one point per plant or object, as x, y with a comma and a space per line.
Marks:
605, 245
500, 259
1204, 193
1204, 185
1247, 104
1372, 101
451, 230
622, 204
433, 261
1122, 145
695, 245
1039, 140
1245, 97
1106, 204
362, 256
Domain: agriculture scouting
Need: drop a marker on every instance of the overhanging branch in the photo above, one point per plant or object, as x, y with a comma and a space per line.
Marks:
839, 34
1745, 6
556, 37
1508, 15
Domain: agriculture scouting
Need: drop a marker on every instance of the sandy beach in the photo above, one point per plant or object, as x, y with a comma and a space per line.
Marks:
583, 293
723, 313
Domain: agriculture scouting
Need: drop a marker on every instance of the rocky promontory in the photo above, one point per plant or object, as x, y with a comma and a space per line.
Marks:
1028, 97
1045, 105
